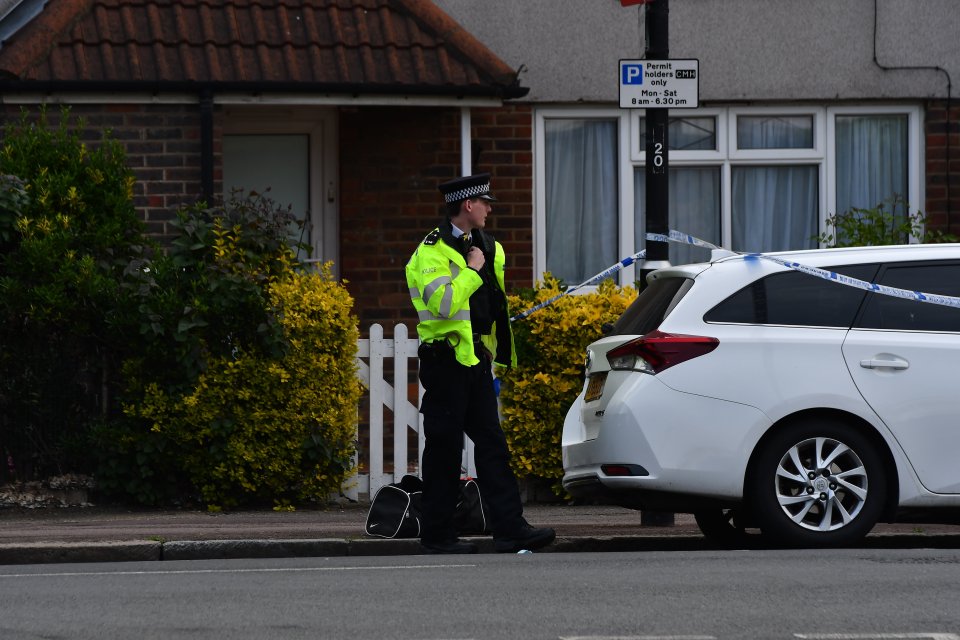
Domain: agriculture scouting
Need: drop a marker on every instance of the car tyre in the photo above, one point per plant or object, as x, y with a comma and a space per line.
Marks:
817, 482
723, 527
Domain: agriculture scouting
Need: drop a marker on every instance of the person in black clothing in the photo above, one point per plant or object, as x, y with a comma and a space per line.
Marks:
456, 282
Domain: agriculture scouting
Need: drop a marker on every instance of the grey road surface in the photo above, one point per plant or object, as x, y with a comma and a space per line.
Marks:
771, 594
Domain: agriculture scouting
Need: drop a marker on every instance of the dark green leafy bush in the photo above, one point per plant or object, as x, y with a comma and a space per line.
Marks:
68, 233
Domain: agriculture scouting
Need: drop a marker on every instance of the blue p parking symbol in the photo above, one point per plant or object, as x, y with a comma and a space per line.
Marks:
631, 74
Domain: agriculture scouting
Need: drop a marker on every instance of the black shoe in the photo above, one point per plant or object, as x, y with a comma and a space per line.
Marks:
447, 547
526, 537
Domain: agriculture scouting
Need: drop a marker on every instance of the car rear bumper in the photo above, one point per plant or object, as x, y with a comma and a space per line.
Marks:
690, 447
589, 488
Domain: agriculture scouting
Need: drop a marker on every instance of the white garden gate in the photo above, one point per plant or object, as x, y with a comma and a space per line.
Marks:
372, 356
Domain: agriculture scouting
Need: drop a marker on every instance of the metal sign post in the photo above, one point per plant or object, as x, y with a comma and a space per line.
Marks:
658, 84
658, 202
657, 47
643, 83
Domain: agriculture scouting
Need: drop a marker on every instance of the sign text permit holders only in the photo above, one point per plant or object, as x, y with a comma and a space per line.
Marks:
668, 84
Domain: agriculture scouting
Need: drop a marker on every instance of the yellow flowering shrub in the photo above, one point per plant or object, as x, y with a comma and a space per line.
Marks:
256, 427
551, 345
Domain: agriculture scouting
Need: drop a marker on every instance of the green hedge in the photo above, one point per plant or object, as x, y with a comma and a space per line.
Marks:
245, 389
210, 371
68, 235
254, 428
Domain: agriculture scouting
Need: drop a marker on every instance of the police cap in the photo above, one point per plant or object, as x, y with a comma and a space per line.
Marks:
467, 187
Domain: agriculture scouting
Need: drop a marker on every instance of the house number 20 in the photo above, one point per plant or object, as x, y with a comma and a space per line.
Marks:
657, 154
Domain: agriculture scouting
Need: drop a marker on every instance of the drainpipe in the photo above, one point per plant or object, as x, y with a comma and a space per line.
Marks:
466, 167
466, 142
206, 145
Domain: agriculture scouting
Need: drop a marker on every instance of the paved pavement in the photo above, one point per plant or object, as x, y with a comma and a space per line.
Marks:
98, 534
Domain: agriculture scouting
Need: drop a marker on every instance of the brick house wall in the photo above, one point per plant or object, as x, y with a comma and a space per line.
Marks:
942, 147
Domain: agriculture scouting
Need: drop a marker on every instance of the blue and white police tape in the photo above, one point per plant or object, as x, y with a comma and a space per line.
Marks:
609, 271
683, 238
832, 276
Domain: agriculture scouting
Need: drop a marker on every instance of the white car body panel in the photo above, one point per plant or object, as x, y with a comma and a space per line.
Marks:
920, 404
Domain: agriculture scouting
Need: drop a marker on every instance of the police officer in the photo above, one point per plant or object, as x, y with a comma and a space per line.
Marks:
457, 284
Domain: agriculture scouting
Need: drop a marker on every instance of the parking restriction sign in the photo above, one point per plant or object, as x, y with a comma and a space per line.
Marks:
667, 84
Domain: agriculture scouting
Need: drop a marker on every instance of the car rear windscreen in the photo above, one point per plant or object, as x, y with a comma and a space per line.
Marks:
651, 307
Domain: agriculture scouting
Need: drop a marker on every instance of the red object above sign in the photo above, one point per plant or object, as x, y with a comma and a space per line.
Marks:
630, 3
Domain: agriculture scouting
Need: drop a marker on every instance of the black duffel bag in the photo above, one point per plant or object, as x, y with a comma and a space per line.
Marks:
470, 518
395, 510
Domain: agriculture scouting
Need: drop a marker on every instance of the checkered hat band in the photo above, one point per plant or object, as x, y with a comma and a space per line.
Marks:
467, 193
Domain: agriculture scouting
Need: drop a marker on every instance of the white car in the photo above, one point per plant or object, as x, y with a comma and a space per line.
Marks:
753, 395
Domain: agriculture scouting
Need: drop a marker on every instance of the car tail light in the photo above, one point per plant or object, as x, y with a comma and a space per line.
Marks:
657, 351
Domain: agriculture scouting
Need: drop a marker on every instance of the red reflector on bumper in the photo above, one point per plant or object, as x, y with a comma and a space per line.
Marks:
623, 470
616, 470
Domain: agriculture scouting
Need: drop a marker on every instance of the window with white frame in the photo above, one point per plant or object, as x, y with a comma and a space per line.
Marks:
581, 185
749, 179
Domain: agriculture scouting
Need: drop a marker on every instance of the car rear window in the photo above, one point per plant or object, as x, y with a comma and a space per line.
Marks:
796, 299
887, 312
650, 308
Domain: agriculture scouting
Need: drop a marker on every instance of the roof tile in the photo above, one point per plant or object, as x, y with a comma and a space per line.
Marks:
376, 45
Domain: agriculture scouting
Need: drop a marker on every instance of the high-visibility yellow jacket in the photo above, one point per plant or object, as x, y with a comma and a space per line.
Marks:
441, 284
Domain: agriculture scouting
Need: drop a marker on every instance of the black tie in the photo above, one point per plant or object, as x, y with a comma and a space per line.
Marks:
466, 242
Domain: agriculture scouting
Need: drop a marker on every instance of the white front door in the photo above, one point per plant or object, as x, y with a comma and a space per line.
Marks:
292, 152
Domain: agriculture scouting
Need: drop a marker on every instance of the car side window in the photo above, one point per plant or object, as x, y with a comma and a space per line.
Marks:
888, 312
796, 299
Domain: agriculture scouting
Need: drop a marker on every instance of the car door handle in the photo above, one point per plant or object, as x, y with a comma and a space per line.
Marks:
885, 364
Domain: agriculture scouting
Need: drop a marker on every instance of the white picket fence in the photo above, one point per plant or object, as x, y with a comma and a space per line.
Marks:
372, 357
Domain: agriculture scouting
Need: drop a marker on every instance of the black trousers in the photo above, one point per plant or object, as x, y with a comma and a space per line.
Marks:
460, 400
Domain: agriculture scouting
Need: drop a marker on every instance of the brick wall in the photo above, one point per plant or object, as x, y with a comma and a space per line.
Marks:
391, 161
943, 166
163, 150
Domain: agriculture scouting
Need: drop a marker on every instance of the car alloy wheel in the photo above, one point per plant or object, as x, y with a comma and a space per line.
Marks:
818, 482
